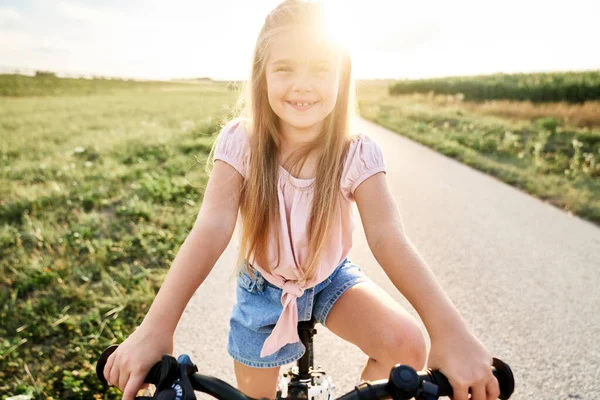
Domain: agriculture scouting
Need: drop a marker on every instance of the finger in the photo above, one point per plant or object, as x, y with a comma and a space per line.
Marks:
108, 367
133, 386
460, 391
493, 389
478, 392
115, 371
123, 379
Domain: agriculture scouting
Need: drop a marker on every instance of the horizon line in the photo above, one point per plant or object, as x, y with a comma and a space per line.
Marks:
29, 71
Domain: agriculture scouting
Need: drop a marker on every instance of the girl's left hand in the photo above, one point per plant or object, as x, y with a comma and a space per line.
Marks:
463, 359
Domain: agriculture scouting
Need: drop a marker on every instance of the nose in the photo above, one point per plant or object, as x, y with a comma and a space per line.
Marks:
303, 81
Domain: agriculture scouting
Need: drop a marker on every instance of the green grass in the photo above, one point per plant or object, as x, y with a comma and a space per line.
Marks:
45, 85
97, 194
559, 164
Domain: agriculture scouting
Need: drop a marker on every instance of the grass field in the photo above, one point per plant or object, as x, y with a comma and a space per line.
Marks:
97, 194
99, 188
537, 152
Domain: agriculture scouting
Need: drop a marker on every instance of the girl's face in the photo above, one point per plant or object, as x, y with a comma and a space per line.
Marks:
302, 74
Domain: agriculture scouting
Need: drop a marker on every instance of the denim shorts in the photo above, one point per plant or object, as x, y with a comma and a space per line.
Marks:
258, 308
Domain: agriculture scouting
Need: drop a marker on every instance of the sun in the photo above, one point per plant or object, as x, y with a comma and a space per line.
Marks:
341, 23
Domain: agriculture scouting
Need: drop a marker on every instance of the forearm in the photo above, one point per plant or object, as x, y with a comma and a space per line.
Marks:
195, 259
408, 271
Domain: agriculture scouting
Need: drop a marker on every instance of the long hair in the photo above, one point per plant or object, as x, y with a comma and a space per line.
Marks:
259, 204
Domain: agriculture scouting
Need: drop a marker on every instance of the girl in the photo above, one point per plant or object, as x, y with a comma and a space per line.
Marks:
292, 170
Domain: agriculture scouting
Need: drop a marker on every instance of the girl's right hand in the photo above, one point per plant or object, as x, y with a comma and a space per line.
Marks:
128, 366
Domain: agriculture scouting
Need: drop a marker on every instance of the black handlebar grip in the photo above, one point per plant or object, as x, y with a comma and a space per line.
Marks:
500, 369
151, 378
102, 363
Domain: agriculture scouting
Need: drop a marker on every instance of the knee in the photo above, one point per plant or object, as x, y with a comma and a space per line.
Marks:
405, 345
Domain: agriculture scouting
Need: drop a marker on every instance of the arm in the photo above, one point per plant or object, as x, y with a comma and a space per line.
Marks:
128, 365
455, 351
201, 249
399, 258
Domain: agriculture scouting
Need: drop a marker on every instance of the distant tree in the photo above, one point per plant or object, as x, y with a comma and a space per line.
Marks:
45, 74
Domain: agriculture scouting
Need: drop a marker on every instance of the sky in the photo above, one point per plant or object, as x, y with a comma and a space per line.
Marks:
397, 39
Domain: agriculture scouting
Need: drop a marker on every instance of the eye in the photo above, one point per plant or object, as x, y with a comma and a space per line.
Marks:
283, 69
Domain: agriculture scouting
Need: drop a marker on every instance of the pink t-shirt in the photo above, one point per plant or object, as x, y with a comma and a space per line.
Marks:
295, 201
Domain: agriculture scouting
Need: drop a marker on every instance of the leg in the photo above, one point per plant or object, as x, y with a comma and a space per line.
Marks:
372, 320
256, 382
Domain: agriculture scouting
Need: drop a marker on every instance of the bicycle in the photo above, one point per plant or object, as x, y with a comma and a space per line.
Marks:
178, 379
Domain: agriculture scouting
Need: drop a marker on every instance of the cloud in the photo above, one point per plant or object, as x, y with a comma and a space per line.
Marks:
9, 15
76, 11
80, 12
14, 40
10, 19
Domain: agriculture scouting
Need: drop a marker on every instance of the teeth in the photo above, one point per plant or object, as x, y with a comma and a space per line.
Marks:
302, 104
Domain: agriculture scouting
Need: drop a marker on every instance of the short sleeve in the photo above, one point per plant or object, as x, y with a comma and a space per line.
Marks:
232, 146
364, 160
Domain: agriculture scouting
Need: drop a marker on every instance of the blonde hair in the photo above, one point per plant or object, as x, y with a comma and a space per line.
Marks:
259, 202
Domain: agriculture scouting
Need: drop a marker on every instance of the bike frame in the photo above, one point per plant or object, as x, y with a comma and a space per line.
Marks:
304, 381
306, 331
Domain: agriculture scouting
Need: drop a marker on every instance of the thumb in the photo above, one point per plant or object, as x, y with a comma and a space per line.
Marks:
134, 384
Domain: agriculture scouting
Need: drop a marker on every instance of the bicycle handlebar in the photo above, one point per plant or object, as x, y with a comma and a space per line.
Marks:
403, 383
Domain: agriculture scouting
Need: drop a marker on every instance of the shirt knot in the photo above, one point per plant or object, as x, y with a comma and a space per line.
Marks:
293, 288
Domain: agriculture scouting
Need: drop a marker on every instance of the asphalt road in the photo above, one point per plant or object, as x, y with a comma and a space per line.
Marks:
524, 275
